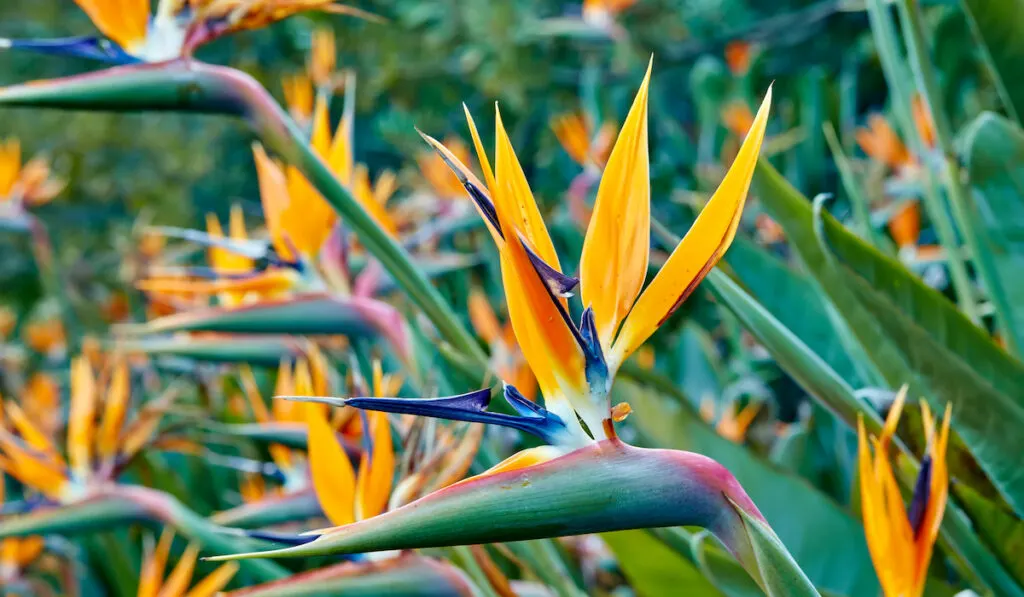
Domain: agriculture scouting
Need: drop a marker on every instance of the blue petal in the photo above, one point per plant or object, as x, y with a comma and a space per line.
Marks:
471, 407
93, 48
558, 283
922, 493
596, 367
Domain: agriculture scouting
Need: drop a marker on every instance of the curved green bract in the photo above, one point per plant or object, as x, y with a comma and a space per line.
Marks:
606, 486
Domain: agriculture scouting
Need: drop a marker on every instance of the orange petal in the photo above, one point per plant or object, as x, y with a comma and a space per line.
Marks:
613, 265
333, 478
31, 468
114, 412
699, 251
481, 155
512, 196
126, 23
32, 435
482, 316
152, 574
181, 576
520, 460
274, 196
376, 469
214, 582
81, 418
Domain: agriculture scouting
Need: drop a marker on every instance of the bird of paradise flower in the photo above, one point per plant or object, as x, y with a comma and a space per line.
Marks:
901, 540
574, 365
95, 454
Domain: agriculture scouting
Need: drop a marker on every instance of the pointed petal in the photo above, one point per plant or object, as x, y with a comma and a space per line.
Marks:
274, 196
331, 471
107, 441
514, 200
613, 264
481, 154
152, 574
93, 48
81, 418
699, 251
125, 23
214, 582
181, 576
30, 433
376, 469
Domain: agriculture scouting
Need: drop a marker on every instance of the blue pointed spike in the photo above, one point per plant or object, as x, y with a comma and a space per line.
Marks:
558, 283
922, 493
596, 368
91, 47
469, 407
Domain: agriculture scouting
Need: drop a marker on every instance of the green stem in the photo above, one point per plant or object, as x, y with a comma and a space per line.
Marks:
858, 202
924, 72
472, 568
888, 54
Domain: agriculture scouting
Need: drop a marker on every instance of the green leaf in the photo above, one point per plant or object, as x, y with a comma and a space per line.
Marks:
796, 358
309, 314
994, 153
996, 25
265, 351
998, 528
952, 360
777, 287
654, 569
804, 518
794, 214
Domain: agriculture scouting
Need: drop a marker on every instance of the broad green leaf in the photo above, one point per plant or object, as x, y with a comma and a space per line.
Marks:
654, 569
795, 357
994, 153
996, 25
777, 287
793, 211
949, 356
998, 528
804, 518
